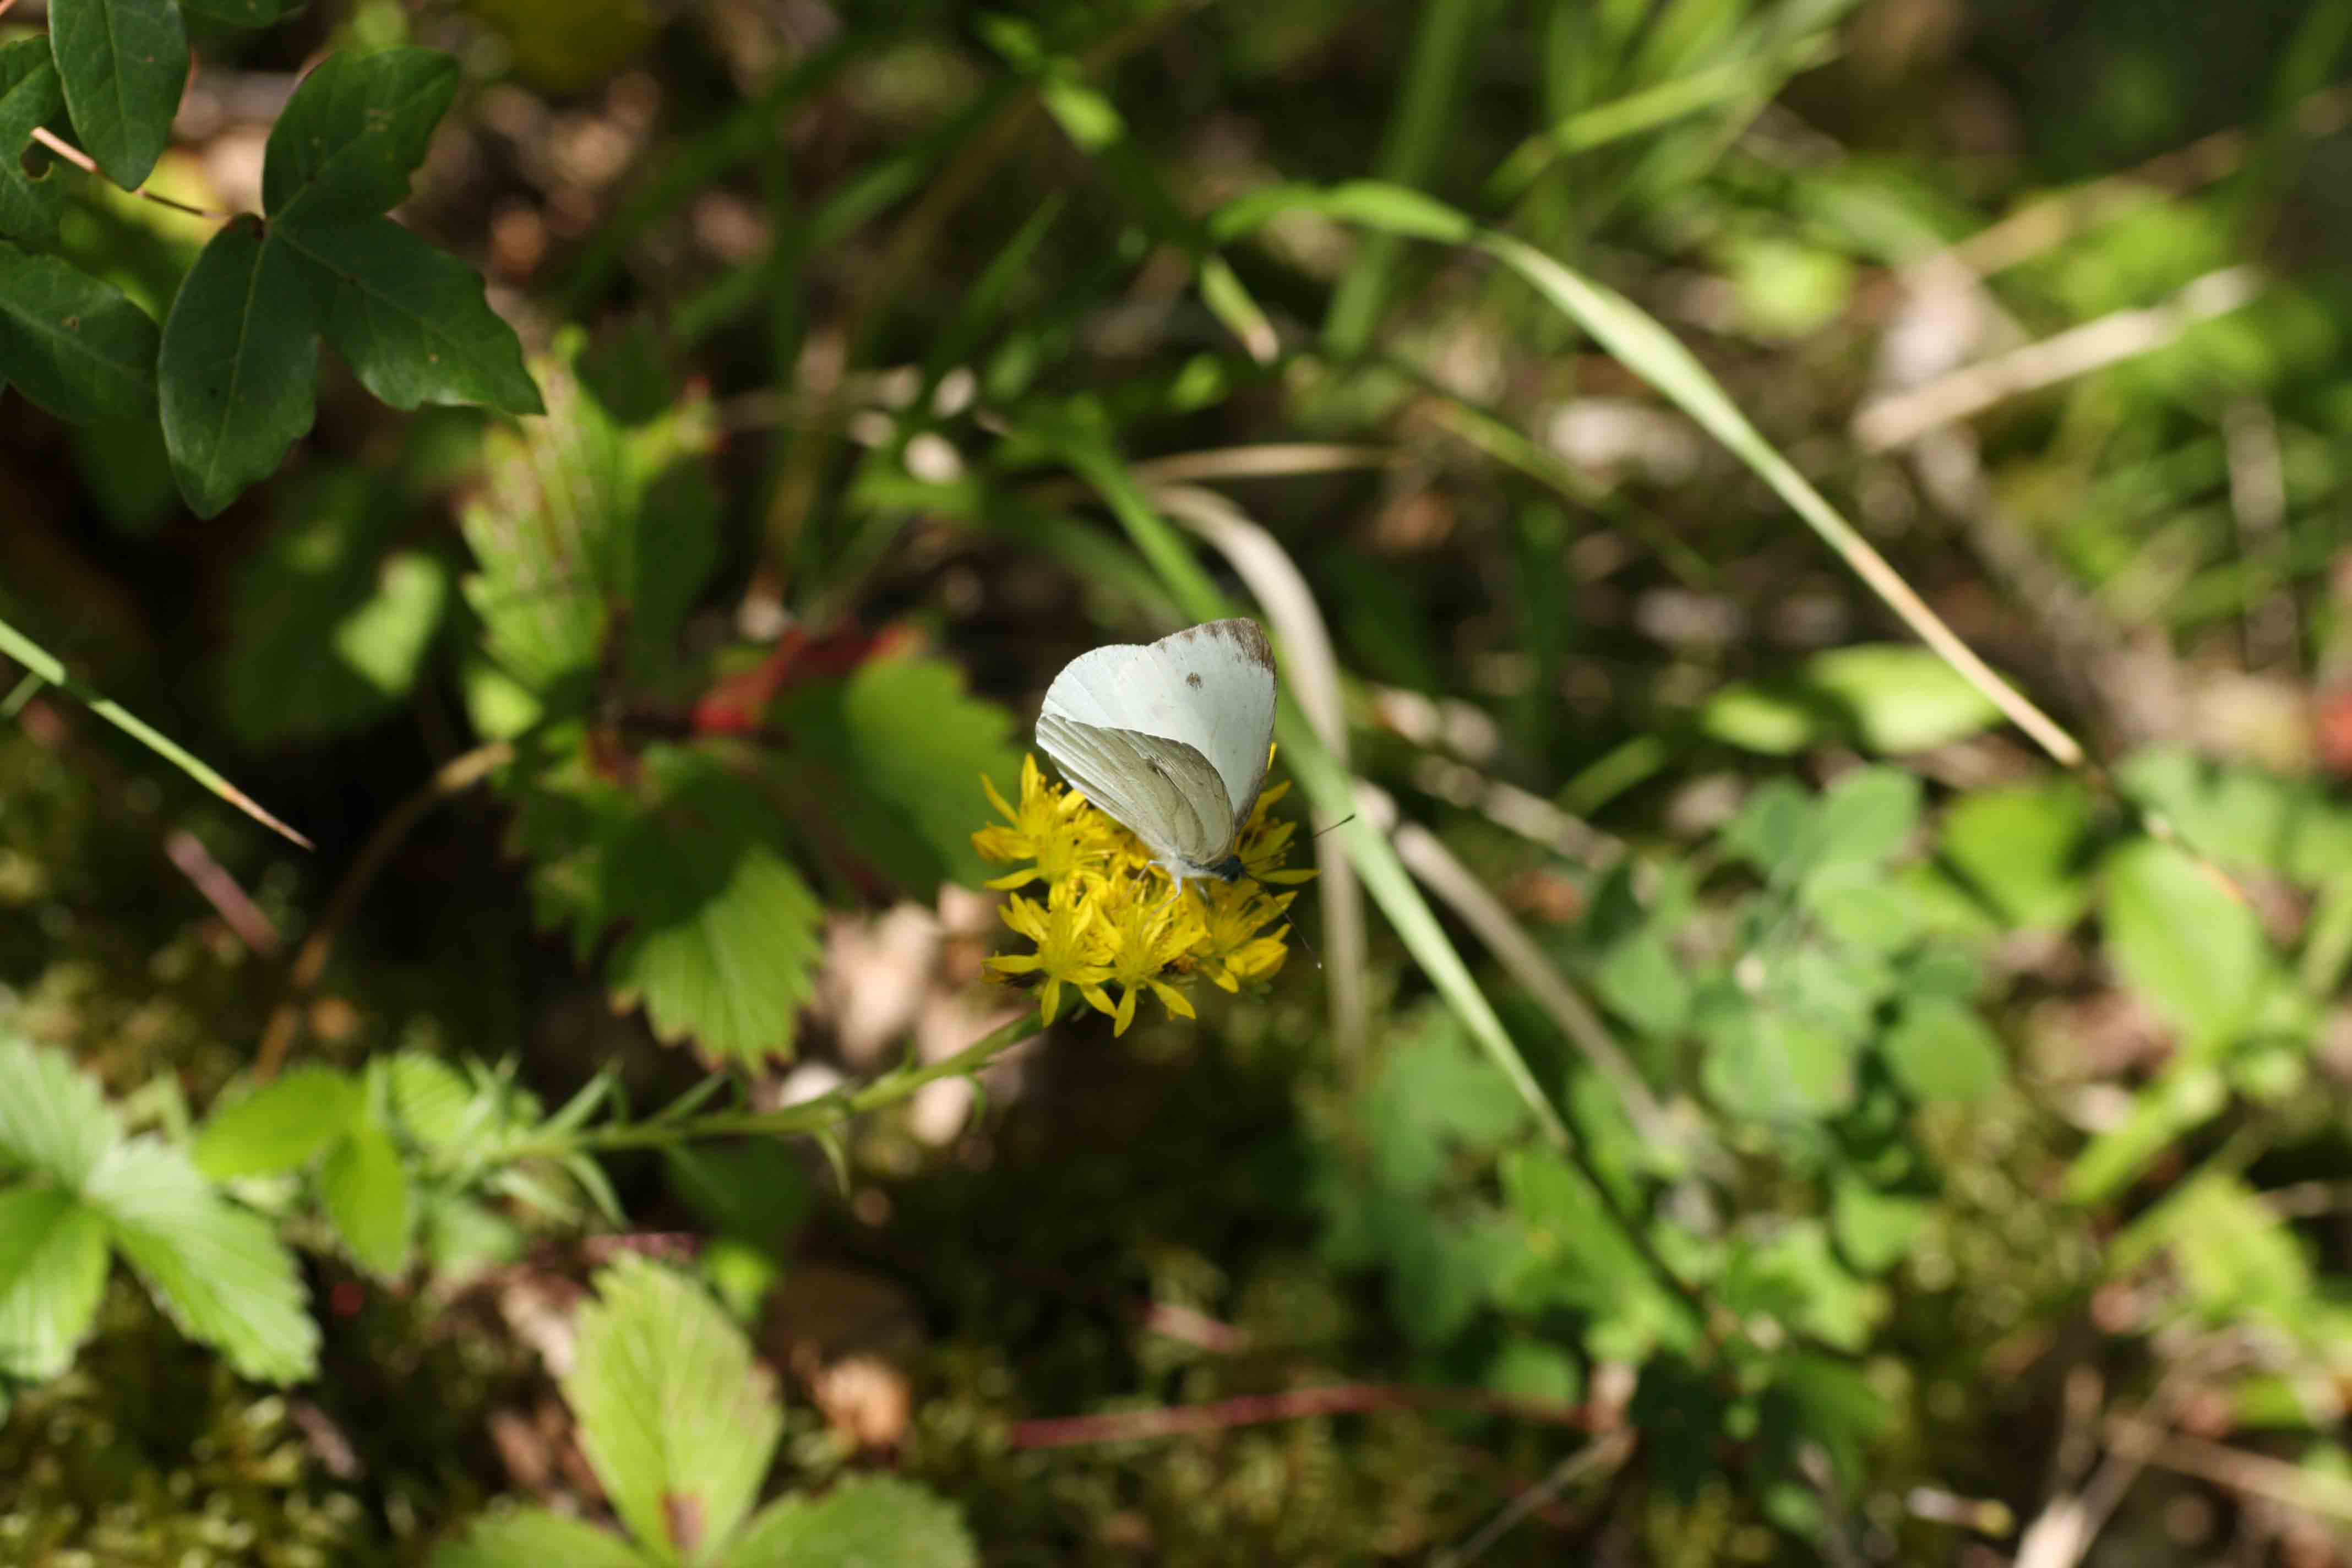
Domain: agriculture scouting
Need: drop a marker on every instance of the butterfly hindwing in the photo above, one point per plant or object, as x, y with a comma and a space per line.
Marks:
1205, 695
1166, 792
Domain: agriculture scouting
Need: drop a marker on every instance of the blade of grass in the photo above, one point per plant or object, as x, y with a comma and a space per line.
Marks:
39, 661
1648, 108
1329, 788
1647, 349
1444, 45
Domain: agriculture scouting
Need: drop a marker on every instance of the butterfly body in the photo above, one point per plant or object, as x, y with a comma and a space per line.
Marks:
1171, 738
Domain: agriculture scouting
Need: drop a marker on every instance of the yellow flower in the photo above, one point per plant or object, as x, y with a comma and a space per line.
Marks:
1071, 944
1053, 828
1109, 923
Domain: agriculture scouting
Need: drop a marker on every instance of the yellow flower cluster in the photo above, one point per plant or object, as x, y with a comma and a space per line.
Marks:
1108, 921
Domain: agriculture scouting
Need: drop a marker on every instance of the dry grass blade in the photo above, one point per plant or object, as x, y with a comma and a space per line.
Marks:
1314, 671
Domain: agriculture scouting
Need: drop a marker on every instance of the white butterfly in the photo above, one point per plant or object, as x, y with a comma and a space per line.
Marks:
1172, 739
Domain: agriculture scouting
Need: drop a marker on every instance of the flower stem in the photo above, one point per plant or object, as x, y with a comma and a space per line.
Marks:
807, 1119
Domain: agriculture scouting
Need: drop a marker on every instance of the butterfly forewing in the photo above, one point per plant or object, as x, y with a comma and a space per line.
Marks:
1169, 738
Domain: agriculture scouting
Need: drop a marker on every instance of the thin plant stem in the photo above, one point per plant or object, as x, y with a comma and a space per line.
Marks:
807, 1119
87, 165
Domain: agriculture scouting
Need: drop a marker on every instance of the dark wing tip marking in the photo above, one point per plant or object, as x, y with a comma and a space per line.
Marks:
1245, 635
1193, 681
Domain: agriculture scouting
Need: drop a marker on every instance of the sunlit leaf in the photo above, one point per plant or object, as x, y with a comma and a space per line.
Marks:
280, 1126
52, 1272
865, 1519
675, 1417
534, 1538
219, 1271
365, 1192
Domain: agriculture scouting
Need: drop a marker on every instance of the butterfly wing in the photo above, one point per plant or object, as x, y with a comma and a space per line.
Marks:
1208, 690
1165, 791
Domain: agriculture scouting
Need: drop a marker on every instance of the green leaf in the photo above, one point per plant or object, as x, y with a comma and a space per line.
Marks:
29, 96
1900, 699
245, 13
412, 319
2022, 849
675, 1418
354, 130
579, 520
724, 936
864, 1522
52, 1272
1793, 1276
1434, 1094
1865, 817
1939, 1049
238, 368
54, 1120
123, 64
2187, 1094
431, 1101
365, 1192
280, 1126
1768, 1066
78, 347
919, 743
219, 1271
2235, 1255
329, 631
534, 1538
1873, 1229
2183, 940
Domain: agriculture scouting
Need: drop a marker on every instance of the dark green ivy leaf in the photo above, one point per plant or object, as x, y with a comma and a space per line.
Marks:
29, 96
78, 347
412, 319
240, 366
353, 131
123, 64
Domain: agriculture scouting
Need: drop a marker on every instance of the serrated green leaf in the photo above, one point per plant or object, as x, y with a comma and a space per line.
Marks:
52, 1272
2183, 940
581, 520
29, 96
78, 347
864, 1522
675, 1418
365, 1192
237, 373
218, 1271
724, 934
534, 1538
245, 13
123, 64
431, 1101
280, 1126
54, 1120
1939, 1049
353, 131
921, 743
411, 319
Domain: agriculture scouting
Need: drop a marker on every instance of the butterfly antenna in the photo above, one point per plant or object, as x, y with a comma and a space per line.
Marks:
1251, 872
